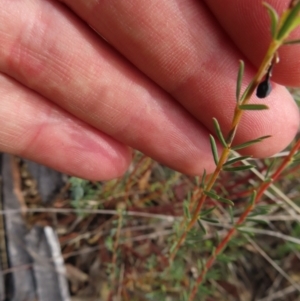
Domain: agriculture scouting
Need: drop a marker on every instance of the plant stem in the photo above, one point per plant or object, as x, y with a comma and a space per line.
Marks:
264, 186
230, 137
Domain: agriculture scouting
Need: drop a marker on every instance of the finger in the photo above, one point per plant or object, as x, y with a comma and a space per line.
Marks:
37, 129
61, 58
248, 24
180, 45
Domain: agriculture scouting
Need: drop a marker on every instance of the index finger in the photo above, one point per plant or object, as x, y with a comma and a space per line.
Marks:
183, 48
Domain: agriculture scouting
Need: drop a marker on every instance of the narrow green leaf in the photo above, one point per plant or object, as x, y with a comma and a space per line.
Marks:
186, 210
219, 132
290, 22
253, 197
260, 210
246, 92
253, 107
296, 23
291, 42
218, 198
239, 80
274, 18
214, 149
231, 135
256, 220
226, 259
210, 220
241, 230
237, 159
200, 264
208, 211
211, 194
201, 226
178, 228
172, 248
248, 143
238, 168
226, 201
203, 179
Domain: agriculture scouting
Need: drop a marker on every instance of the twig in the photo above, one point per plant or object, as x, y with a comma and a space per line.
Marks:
264, 186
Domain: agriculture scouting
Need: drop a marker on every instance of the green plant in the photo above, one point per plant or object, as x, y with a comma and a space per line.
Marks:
156, 234
281, 27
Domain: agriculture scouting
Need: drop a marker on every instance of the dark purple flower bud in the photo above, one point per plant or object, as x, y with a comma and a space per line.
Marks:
264, 89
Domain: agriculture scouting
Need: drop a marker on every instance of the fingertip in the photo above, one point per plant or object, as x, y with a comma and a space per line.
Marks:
84, 152
103, 168
280, 121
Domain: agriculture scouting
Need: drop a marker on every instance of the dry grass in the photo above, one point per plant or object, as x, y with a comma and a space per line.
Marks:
116, 236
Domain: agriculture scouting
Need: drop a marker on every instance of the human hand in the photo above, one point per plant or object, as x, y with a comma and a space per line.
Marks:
76, 104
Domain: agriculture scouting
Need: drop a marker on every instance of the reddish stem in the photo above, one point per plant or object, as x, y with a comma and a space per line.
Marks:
264, 186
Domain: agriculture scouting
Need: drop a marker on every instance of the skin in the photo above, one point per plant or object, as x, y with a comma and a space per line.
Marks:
152, 79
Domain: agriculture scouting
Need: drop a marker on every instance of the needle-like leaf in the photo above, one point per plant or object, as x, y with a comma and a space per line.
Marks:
186, 210
253, 197
256, 220
214, 149
238, 168
239, 80
226, 201
201, 226
210, 220
251, 142
274, 19
253, 107
203, 179
219, 132
246, 92
237, 159
218, 198
291, 21
208, 211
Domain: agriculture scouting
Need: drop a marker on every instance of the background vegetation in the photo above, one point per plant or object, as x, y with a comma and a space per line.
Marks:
156, 234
